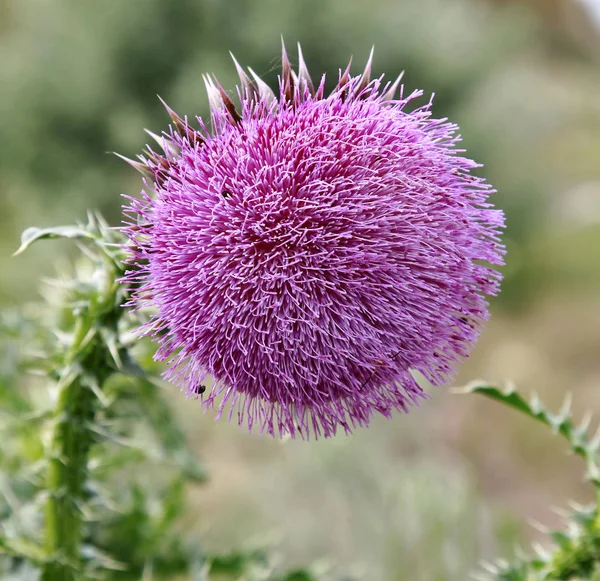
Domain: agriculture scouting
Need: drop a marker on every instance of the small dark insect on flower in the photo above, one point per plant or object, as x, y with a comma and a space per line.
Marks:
198, 389
356, 248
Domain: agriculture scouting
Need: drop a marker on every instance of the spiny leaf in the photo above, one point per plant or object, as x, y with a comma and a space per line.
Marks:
560, 423
22, 547
577, 550
97, 231
31, 235
100, 560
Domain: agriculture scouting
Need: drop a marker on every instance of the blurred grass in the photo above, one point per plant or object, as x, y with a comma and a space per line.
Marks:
423, 496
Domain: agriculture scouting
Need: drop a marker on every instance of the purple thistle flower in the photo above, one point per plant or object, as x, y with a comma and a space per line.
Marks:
311, 251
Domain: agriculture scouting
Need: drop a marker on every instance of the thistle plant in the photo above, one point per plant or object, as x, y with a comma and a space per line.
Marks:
310, 253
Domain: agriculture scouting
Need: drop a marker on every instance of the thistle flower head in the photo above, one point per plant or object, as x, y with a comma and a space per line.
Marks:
311, 252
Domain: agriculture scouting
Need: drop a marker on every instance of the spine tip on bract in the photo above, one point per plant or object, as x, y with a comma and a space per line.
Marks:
303, 74
365, 78
229, 105
182, 126
390, 93
215, 101
264, 91
138, 166
164, 143
287, 75
249, 89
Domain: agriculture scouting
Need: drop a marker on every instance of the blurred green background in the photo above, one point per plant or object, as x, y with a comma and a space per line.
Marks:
422, 497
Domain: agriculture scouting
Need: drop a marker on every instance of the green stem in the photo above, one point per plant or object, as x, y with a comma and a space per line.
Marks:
70, 441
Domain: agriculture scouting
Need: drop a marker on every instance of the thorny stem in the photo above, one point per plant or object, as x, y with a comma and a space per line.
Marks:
70, 441
82, 373
88, 351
